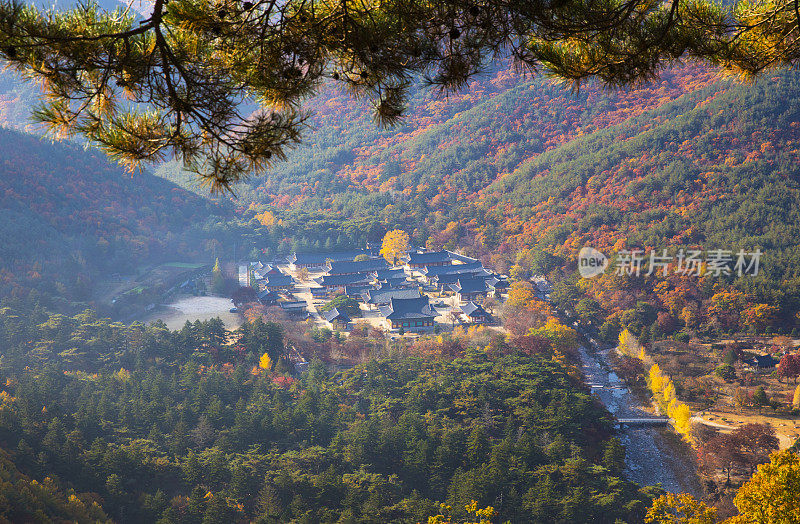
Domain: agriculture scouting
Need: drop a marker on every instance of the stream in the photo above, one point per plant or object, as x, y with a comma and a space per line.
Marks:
649, 459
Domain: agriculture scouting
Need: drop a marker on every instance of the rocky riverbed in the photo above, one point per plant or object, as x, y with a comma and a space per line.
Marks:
649, 459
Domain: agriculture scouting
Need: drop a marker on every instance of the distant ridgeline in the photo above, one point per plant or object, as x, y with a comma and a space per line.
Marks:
67, 215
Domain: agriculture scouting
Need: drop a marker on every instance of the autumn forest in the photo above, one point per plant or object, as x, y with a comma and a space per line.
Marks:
106, 417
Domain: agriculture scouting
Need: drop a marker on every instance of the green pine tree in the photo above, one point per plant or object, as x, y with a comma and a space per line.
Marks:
190, 68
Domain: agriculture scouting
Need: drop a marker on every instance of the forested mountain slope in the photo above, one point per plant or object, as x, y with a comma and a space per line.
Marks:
451, 146
185, 427
520, 165
23, 499
716, 169
714, 162
350, 179
66, 213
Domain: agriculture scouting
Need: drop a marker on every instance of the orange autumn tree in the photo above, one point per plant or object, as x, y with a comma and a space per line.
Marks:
522, 311
760, 315
521, 295
562, 338
267, 218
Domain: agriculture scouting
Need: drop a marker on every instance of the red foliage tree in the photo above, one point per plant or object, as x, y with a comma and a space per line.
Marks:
533, 344
756, 442
747, 446
789, 366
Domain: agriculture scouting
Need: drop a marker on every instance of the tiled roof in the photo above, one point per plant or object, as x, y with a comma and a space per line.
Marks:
495, 282
346, 267
385, 295
471, 309
342, 280
469, 285
267, 297
335, 315
397, 282
429, 257
356, 290
278, 279
320, 258
471, 267
450, 278
293, 304
384, 274
461, 258
762, 361
265, 270
408, 308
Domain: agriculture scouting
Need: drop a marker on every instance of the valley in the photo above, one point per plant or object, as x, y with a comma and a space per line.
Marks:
395, 328
649, 459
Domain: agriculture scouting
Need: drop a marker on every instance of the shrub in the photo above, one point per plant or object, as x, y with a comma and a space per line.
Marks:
725, 372
683, 336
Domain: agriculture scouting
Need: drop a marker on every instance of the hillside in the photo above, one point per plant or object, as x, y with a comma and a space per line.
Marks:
184, 426
350, 179
453, 145
68, 216
711, 155
517, 165
715, 169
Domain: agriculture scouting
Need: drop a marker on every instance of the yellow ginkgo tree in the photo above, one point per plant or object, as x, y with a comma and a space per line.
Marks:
265, 362
395, 245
